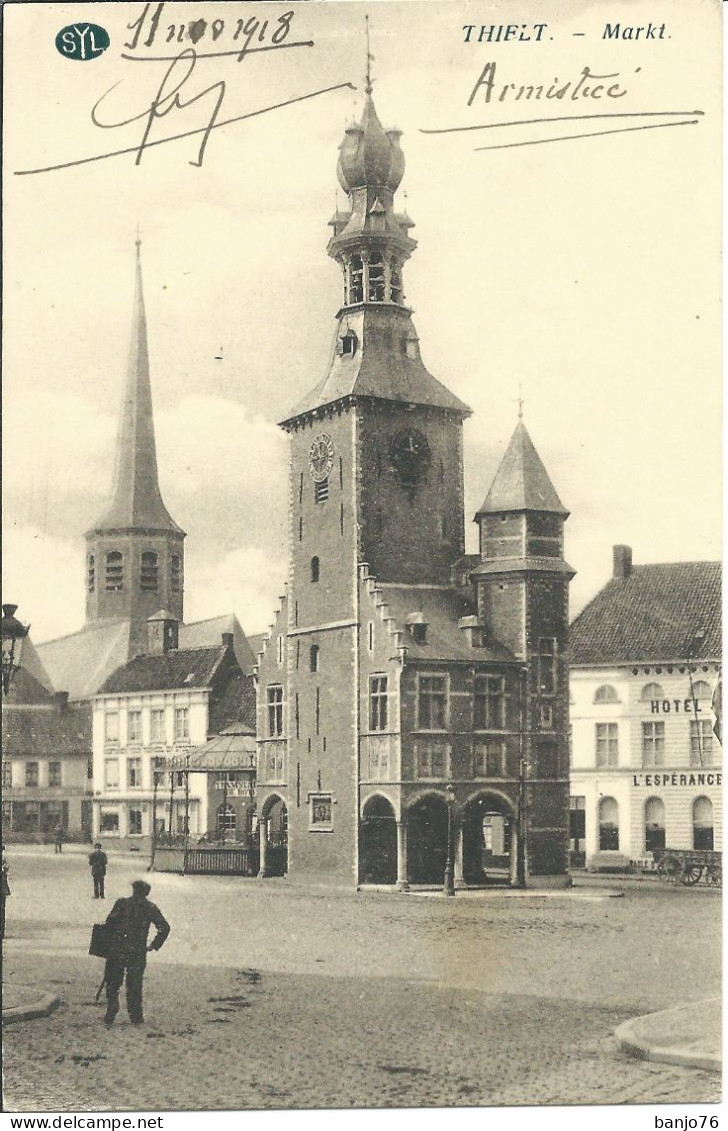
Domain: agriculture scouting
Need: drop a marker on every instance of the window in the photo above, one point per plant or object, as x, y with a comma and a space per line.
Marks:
396, 282
321, 491
320, 812
378, 700
701, 690
111, 773
275, 763
111, 726
356, 279
175, 573
315, 569
160, 774
577, 821
489, 702
348, 344
109, 822
91, 574
546, 716
313, 658
607, 744
653, 744
376, 278
275, 712
134, 824
134, 726
90, 768
149, 572
701, 742
490, 758
606, 694
608, 825
7, 775
134, 773
114, 571
652, 691
703, 823
431, 759
181, 723
157, 724
654, 824
432, 702
54, 773
31, 773
547, 681
226, 819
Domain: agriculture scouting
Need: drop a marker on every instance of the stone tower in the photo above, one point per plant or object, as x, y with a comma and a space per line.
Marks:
135, 551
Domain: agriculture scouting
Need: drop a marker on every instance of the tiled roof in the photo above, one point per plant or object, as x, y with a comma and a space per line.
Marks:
47, 732
442, 608
233, 708
204, 633
179, 668
655, 613
521, 482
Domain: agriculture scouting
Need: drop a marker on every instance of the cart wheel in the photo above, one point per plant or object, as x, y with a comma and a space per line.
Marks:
670, 869
715, 876
691, 874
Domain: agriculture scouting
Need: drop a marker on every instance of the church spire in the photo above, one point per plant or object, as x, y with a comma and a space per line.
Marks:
136, 499
522, 482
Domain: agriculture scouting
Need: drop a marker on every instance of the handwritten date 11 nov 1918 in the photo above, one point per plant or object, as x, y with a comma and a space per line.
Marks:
240, 31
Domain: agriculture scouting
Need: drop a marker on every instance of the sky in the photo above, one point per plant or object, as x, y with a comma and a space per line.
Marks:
584, 273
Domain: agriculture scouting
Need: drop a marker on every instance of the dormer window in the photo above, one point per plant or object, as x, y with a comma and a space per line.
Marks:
416, 625
114, 571
376, 278
347, 344
410, 345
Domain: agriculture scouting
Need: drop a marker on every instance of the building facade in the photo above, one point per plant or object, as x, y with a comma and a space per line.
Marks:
148, 717
412, 701
646, 764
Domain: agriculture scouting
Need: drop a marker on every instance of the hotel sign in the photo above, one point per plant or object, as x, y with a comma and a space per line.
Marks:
666, 706
677, 779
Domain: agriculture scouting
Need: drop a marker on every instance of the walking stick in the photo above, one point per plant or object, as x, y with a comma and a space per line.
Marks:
103, 983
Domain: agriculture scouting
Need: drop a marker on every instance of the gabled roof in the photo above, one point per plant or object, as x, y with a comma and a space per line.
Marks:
521, 482
180, 668
31, 682
47, 731
79, 663
136, 499
379, 368
656, 613
232, 708
441, 608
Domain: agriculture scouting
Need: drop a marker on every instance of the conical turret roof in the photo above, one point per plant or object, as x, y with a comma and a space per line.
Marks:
521, 482
136, 498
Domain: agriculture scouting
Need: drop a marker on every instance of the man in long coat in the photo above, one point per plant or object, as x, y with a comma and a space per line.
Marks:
97, 862
129, 921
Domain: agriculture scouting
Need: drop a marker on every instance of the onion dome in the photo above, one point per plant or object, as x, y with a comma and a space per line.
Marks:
370, 156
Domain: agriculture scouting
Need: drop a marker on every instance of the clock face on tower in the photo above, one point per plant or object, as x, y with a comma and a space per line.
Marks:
321, 457
409, 453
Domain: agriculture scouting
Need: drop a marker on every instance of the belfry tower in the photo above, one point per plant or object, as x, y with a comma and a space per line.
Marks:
402, 684
135, 551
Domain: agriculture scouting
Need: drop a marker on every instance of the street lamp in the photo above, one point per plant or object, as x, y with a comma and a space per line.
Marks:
448, 887
13, 633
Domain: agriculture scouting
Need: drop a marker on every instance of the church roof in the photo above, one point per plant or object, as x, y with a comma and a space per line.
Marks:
521, 482
136, 499
210, 631
442, 609
31, 682
668, 611
379, 367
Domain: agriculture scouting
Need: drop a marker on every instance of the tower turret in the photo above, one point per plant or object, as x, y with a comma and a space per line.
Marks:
135, 551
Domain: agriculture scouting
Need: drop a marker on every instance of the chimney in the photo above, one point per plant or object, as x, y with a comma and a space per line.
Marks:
62, 701
227, 639
474, 631
622, 558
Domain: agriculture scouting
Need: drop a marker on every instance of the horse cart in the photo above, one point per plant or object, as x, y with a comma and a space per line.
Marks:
688, 866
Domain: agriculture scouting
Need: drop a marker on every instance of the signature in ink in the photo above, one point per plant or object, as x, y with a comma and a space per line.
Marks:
168, 99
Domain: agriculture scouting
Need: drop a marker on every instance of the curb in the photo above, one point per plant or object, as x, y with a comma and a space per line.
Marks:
42, 1007
637, 1045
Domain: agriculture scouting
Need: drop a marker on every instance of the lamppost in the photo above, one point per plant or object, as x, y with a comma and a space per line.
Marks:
448, 887
13, 634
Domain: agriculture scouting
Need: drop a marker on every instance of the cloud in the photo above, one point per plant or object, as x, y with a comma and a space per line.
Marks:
248, 581
43, 576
